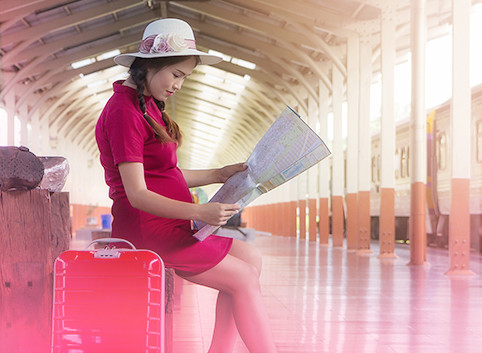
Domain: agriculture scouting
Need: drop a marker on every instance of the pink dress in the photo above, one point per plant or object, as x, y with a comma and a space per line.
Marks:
123, 135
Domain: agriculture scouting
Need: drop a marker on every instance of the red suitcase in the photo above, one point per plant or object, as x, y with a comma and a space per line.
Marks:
108, 300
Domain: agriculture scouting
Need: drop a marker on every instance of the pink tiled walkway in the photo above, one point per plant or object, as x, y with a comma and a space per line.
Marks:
324, 299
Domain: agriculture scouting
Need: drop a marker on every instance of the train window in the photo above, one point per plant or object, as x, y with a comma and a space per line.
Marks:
478, 141
408, 161
345, 173
441, 150
403, 162
397, 163
374, 169
379, 177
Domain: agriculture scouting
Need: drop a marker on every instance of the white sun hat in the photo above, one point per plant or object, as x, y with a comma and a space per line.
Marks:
167, 37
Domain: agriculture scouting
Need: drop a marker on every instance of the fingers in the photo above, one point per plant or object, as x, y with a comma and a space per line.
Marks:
228, 210
231, 207
229, 170
217, 214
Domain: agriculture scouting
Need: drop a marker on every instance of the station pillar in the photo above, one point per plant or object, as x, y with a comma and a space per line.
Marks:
460, 119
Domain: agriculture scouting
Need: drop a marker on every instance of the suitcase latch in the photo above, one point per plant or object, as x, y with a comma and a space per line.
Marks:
107, 253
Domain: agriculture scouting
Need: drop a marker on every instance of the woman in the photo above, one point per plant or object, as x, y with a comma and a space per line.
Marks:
152, 206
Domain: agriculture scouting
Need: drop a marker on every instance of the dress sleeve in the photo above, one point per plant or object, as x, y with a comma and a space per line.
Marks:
126, 132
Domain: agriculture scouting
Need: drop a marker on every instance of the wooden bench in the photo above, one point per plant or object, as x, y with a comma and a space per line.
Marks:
34, 230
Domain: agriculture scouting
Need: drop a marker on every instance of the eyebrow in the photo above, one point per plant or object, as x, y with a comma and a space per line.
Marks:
182, 72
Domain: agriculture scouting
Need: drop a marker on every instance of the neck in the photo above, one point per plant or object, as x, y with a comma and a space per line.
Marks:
130, 83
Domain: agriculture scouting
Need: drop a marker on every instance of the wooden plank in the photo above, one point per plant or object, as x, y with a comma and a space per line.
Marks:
34, 230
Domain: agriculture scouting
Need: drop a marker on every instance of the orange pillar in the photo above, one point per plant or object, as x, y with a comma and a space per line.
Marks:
459, 228
292, 219
272, 218
267, 218
313, 227
418, 233
337, 216
387, 223
351, 221
279, 218
262, 220
245, 216
286, 218
255, 217
364, 230
276, 218
324, 225
302, 218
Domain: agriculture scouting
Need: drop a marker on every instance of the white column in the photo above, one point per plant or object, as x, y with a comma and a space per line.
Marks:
338, 177
324, 166
10, 108
364, 146
388, 51
312, 172
45, 137
352, 169
35, 134
460, 120
352, 83
338, 157
461, 95
387, 135
418, 137
24, 120
364, 140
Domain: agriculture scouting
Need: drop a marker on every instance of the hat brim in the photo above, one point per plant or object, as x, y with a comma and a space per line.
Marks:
205, 59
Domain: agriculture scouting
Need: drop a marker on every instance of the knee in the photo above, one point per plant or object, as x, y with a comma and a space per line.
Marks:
248, 280
255, 259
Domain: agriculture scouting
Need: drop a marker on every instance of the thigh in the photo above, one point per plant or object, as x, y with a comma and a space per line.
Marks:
230, 275
246, 252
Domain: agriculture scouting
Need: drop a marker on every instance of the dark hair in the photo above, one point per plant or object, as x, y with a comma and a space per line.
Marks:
138, 72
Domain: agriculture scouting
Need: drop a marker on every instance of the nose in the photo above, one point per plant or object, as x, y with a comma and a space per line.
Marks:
177, 85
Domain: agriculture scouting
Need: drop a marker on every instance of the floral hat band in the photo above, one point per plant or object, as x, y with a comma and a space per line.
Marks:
164, 38
164, 43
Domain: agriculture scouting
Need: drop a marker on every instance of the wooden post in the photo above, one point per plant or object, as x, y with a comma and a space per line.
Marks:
34, 230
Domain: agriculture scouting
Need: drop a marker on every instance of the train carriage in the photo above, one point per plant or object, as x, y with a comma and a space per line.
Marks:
438, 175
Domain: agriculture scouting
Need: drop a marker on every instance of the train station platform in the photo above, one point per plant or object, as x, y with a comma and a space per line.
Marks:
328, 300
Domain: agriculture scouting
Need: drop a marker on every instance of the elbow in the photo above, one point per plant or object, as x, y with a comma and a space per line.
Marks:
135, 199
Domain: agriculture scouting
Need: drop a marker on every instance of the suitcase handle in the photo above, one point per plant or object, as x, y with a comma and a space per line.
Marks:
110, 240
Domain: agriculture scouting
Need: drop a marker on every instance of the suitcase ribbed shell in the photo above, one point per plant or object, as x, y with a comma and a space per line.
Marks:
108, 303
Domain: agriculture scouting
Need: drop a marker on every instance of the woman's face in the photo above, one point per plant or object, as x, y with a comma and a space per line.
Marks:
165, 82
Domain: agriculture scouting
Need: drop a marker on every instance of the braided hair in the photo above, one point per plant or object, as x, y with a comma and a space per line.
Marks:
138, 72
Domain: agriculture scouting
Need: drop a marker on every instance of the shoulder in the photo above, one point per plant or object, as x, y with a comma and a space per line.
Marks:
122, 117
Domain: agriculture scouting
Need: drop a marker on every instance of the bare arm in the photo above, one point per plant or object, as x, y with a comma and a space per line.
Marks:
140, 197
211, 176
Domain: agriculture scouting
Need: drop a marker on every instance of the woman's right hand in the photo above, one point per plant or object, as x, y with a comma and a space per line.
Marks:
215, 213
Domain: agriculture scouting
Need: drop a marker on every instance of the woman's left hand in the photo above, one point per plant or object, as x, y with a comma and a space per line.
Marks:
226, 172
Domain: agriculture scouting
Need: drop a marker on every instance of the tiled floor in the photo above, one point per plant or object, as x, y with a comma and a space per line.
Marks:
324, 299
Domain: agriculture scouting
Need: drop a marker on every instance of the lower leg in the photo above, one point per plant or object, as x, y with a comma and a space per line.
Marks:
252, 322
225, 331
240, 281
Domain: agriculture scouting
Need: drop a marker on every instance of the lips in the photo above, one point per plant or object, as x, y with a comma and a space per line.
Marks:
169, 93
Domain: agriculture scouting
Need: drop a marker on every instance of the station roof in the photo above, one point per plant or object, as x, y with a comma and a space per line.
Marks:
277, 53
